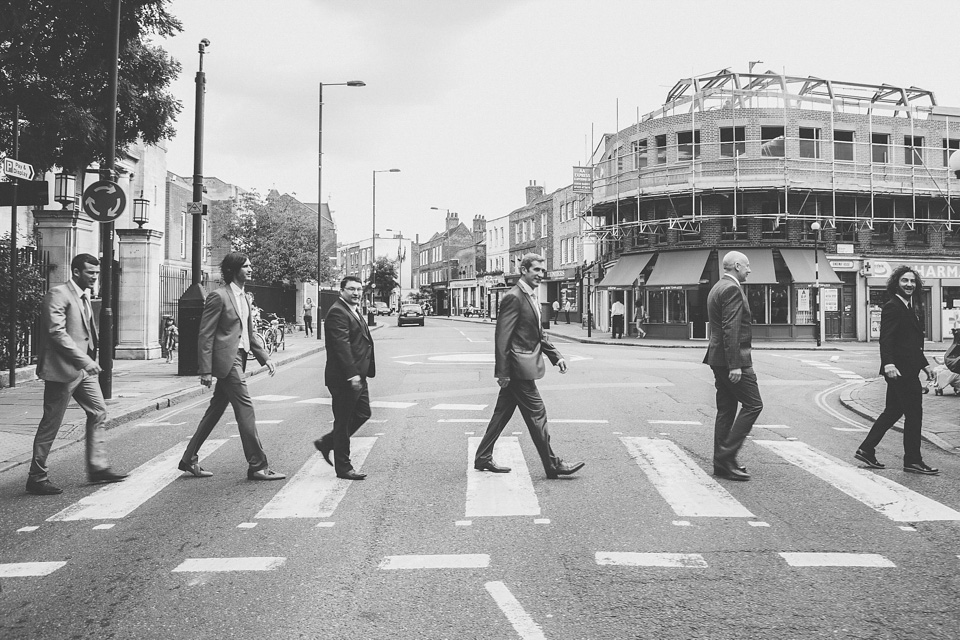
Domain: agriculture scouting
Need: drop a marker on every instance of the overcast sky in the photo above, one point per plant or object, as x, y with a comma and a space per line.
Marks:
473, 99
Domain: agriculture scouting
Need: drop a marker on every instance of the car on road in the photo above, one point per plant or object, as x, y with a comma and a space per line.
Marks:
382, 309
410, 314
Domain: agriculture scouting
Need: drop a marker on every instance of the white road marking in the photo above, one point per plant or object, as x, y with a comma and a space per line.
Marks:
893, 500
681, 523
464, 420
103, 527
849, 429
160, 424
907, 528
578, 421
326, 401
325, 525
758, 523
387, 404
273, 398
259, 421
519, 619
691, 422
463, 523
315, 490
27, 529
459, 407
28, 569
246, 525
770, 426
120, 499
441, 561
193, 565
628, 559
541, 521
836, 560
500, 494
682, 483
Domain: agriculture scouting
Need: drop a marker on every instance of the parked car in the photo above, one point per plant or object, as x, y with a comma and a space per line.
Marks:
382, 309
410, 314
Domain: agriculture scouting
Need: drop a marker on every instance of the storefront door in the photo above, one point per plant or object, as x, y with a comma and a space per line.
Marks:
842, 323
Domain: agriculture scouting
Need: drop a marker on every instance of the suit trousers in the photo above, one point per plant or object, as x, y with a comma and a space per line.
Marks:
617, 325
904, 398
56, 398
351, 409
525, 395
731, 429
231, 390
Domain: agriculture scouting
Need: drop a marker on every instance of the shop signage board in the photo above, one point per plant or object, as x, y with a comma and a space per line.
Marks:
927, 271
830, 301
582, 180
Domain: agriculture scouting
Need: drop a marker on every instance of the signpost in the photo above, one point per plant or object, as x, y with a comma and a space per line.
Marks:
16, 169
104, 201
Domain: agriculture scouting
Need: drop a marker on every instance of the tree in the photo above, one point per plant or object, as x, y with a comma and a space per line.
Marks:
55, 64
31, 284
385, 277
279, 235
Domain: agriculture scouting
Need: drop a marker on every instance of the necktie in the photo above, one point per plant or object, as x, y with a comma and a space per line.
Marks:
87, 311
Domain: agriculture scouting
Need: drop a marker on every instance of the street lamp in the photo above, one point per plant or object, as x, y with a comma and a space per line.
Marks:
351, 83
65, 189
373, 239
401, 255
815, 227
141, 211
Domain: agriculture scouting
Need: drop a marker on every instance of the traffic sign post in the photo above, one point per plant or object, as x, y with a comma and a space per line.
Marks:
104, 201
16, 169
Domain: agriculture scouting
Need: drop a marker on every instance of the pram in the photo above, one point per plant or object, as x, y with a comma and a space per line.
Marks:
942, 376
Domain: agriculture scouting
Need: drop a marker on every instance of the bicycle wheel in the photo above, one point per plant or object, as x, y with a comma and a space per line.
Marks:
271, 339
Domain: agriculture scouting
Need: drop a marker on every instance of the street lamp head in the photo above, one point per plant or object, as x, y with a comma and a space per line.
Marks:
394, 170
815, 226
204, 44
356, 83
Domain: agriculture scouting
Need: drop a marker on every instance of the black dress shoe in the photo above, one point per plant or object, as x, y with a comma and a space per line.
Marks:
919, 467
324, 450
491, 466
105, 476
43, 488
351, 475
195, 469
730, 473
868, 459
565, 470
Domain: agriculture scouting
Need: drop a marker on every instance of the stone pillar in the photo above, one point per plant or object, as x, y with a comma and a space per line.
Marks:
138, 319
62, 234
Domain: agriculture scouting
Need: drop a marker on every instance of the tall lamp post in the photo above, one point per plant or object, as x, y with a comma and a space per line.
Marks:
373, 239
818, 327
401, 256
351, 83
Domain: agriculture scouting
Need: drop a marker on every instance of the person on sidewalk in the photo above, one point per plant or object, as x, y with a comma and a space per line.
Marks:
226, 336
729, 355
901, 360
67, 364
556, 310
566, 310
617, 312
308, 317
519, 341
350, 361
170, 338
639, 317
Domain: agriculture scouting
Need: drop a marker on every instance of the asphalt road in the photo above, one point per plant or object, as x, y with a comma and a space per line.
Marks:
642, 543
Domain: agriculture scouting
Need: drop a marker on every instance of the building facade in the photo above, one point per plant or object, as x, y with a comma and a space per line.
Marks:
447, 266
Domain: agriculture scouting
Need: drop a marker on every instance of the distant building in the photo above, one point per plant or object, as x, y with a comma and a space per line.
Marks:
447, 265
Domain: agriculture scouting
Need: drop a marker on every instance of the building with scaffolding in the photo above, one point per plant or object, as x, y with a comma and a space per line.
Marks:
826, 186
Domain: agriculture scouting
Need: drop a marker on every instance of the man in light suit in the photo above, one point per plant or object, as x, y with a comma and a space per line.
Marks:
350, 361
67, 365
519, 363
226, 336
901, 360
729, 355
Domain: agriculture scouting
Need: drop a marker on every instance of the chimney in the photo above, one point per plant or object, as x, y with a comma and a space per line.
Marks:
533, 191
479, 228
453, 221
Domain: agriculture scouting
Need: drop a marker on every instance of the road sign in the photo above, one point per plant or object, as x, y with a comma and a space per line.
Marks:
17, 169
104, 201
195, 208
29, 193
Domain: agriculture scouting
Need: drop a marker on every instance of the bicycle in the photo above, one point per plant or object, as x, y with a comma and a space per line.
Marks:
274, 334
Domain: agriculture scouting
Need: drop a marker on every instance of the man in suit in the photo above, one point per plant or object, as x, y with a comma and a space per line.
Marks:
728, 354
350, 361
901, 360
67, 365
519, 343
226, 336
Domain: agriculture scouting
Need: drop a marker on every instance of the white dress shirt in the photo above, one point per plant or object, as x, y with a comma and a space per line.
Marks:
244, 310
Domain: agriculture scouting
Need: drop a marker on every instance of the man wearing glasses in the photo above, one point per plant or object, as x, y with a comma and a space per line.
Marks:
520, 344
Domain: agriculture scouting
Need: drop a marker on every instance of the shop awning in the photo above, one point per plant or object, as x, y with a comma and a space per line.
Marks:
678, 268
803, 269
761, 266
626, 271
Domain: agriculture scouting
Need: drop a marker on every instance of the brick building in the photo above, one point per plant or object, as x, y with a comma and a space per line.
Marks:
447, 265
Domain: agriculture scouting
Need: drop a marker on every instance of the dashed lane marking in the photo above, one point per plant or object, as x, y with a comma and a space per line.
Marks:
459, 407
836, 560
628, 559
212, 565
28, 569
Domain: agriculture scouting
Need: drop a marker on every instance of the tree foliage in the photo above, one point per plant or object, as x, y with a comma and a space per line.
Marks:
55, 64
279, 235
31, 284
385, 277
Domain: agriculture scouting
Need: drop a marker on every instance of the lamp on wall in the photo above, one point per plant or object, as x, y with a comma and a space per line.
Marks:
65, 189
141, 210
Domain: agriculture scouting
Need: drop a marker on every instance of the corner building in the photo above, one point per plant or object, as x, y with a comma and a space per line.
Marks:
754, 162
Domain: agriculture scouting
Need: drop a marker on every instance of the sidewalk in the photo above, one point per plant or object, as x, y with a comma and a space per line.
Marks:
140, 387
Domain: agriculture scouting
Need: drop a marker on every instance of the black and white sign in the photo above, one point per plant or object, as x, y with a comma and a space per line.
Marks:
104, 201
17, 169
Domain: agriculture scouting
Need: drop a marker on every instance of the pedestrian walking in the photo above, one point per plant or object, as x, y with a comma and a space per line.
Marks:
556, 310
901, 360
729, 355
566, 310
519, 343
67, 364
226, 337
617, 312
639, 318
350, 361
170, 338
308, 317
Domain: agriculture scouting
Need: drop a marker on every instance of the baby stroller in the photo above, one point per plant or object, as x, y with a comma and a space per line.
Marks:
944, 374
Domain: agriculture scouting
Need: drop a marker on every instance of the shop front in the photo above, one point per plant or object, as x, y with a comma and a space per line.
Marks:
940, 294
562, 286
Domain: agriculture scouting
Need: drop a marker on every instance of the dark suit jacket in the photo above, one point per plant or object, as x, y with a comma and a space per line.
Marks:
349, 346
219, 338
66, 339
901, 338
731, 331
519, 331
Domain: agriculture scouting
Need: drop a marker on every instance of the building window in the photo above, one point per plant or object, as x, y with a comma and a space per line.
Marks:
809, 142
772, 142
757, 297
688, 145
727, 231
655, 307
640, 153
843, 146
543, 225
620, 156
732, 142
677, 307
913, 150
661, 142
880, 148
949, 146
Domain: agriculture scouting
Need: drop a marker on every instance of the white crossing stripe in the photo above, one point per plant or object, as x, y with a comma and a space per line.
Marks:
468, 420
315, 490
28, 569
893, 500
192, 565
259, 421
628, 559
500, 494
519, 619
770, 426
682, 483
459, 407
448, 561
316, 401
691, 422
376, 404
120, 499
836, 560
578, 421
273, 398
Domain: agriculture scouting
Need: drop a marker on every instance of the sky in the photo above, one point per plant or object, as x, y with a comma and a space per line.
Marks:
474, 99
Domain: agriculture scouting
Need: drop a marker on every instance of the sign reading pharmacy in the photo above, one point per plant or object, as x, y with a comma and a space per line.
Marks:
927, 271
